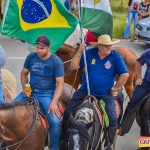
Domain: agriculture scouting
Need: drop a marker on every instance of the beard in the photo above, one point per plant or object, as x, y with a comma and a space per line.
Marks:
41, 55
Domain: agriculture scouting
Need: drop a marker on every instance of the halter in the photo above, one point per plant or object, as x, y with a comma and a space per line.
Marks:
34, 103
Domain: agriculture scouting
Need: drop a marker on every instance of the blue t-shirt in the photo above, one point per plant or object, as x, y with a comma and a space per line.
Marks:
43, 73
145, 59
102, 73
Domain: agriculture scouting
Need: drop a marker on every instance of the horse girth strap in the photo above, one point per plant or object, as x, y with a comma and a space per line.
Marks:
34, 103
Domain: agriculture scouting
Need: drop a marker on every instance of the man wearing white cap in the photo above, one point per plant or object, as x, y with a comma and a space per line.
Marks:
103, 65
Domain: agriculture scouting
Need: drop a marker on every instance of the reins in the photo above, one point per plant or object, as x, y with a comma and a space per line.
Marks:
35, 106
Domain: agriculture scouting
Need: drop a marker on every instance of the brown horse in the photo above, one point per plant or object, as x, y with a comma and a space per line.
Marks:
25, 130
21, 127
66, 53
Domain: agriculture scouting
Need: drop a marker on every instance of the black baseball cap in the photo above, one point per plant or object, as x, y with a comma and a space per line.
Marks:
43, 40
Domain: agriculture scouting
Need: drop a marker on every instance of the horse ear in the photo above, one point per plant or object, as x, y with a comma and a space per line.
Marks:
2, 132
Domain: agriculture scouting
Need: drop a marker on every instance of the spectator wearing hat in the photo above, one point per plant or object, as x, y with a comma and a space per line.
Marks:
103, 65
47, 82
2, 62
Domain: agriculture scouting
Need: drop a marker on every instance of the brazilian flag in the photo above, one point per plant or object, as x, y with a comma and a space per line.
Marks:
29, 19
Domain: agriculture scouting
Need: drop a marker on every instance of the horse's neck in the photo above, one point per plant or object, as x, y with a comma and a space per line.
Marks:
66, 52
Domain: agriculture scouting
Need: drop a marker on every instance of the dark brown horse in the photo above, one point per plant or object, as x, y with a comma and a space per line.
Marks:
66, 53
86, 125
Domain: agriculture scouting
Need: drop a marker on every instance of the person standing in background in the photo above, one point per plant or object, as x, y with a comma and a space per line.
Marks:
132, 16
144, 9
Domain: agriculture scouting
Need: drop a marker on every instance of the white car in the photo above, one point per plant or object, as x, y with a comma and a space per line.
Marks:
142, 30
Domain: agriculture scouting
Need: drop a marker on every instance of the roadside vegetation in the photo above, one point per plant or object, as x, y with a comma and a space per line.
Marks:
119, 10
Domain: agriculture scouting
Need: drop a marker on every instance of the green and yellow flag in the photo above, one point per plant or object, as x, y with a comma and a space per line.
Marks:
96, 15
29, 19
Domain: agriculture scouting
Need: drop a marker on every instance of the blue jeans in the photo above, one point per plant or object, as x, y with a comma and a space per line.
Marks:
139, 93
45, 99
1, 93
109, 106
133, 15
128, 118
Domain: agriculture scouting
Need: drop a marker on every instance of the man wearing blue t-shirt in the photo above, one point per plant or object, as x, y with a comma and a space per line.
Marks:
47, 82
141, 90
103, 65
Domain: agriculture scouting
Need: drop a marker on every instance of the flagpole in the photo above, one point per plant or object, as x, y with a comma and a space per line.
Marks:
84, 54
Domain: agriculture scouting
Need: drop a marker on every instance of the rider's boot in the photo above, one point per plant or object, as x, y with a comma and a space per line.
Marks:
127, 121
110, 136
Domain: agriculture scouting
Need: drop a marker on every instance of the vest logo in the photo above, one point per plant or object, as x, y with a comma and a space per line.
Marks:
144, 141
107, 65
93, 62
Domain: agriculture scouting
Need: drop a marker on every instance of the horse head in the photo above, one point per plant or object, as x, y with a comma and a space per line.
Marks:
84, 127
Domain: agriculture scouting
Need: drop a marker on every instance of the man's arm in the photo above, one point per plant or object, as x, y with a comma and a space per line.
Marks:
58, 91
119, 83
76, 59
24, 79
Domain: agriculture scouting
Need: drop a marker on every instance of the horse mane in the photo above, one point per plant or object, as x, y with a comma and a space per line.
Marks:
7, 105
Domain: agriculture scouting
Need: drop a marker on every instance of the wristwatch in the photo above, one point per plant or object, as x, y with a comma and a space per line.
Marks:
114, 89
